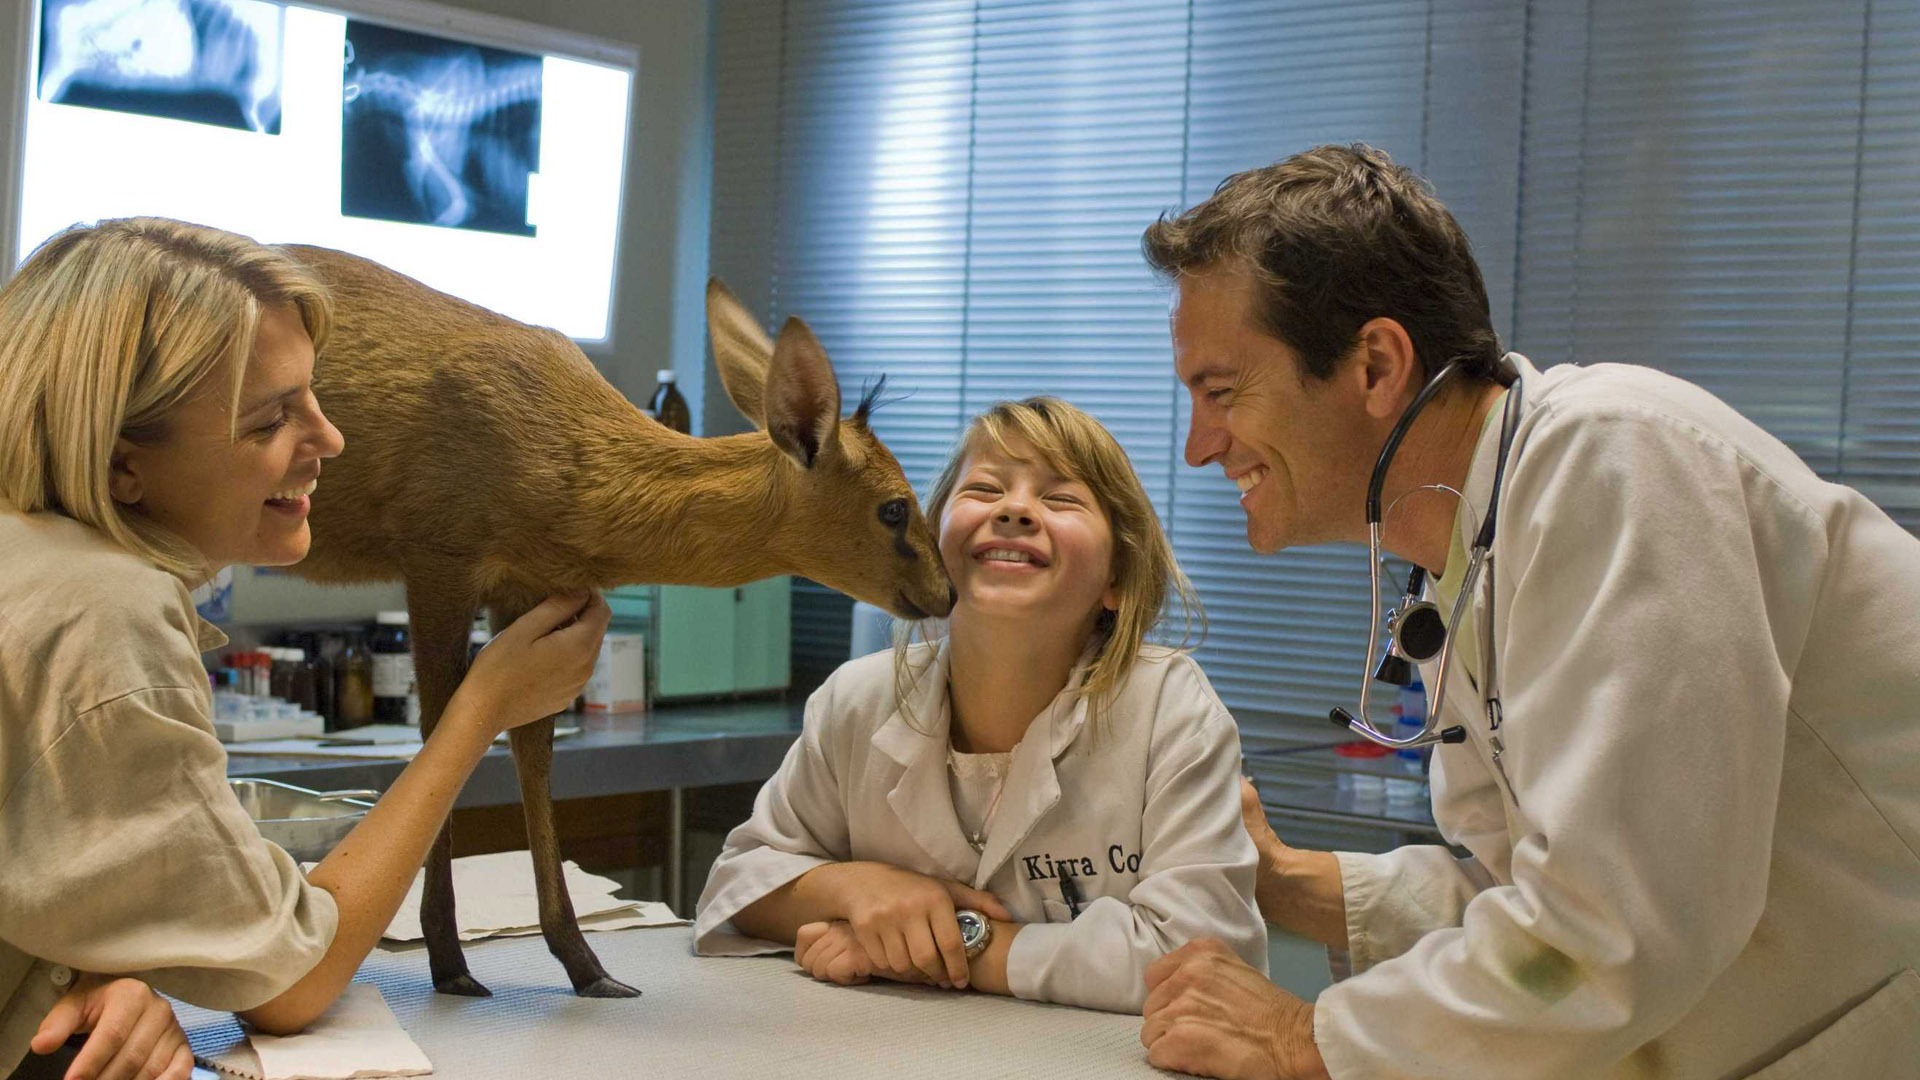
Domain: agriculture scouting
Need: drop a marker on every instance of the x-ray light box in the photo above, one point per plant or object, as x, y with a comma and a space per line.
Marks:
481, 164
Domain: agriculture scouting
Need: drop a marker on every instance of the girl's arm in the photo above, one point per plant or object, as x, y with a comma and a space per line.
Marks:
789, 865
904, 921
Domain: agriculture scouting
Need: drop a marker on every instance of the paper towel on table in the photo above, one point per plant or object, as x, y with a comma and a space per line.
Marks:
494, 896
358, 1037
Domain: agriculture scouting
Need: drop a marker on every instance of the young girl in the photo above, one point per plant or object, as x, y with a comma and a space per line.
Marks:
1038, 804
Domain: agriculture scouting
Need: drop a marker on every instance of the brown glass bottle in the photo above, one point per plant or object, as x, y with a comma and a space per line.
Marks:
669, 406
353, 685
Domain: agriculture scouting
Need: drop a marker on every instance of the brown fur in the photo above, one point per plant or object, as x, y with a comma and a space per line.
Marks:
488, 465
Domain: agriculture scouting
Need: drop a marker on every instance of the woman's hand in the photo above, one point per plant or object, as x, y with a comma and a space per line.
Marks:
536, 667
135, 1033
904, 922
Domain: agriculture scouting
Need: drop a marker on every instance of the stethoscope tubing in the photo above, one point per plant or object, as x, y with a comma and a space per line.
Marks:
1480, 558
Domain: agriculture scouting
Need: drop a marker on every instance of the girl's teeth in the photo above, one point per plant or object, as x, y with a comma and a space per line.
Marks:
1008, 556
294, 493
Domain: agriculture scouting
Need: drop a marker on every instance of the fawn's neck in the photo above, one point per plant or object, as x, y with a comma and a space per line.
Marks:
666, 508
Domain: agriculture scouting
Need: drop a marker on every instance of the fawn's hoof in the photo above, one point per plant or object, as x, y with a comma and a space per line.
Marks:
606, 987
463, 985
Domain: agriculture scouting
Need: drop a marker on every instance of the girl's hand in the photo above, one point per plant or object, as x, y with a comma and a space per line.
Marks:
536, 667
905, 923
830, 953
135, 1033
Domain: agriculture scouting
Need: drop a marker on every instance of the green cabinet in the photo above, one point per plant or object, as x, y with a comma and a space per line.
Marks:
710, 642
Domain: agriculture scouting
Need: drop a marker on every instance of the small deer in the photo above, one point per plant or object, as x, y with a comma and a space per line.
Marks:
488, 465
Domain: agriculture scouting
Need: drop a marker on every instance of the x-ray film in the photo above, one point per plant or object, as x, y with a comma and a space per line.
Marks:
437, 132
204, 61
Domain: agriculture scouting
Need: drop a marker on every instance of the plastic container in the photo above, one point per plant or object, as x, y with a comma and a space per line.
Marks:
669, 406
392, 649
1406, 795
1364, 783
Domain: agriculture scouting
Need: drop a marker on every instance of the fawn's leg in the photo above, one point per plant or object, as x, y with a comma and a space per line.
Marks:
533, 761
440, 622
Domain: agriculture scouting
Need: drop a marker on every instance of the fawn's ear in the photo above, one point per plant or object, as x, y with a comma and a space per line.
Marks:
740, 350
802, 395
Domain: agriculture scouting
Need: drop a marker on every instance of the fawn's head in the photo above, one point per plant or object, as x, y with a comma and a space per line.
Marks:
850, 518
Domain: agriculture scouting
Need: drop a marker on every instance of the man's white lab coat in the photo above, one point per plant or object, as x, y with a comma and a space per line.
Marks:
1709, 661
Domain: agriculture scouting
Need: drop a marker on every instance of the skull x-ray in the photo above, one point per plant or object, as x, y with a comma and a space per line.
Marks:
438, 132
205, 61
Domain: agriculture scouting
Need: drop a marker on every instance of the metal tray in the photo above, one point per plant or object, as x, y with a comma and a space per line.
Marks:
306, 823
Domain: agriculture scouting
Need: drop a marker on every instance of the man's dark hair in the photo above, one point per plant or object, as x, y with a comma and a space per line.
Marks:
1334, 237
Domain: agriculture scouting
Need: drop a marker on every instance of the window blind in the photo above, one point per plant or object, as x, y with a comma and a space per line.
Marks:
1880, 433
953, 194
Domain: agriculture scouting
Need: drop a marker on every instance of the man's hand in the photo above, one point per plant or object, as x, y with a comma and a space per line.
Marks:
1210, 1014
134, 1031
1254, 817
1296, 890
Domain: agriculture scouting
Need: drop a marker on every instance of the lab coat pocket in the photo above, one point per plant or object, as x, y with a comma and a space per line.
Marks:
1880, 1037
1057, 911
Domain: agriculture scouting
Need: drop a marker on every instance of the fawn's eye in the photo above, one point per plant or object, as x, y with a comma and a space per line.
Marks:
893, 513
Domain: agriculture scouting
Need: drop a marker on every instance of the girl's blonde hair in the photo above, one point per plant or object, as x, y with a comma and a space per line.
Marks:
105, 330
1146, 578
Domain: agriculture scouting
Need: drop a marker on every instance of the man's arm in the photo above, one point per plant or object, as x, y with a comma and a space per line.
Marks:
1210, 1014
1298, 891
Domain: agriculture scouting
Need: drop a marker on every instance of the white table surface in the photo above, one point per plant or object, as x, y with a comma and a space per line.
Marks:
717, 1017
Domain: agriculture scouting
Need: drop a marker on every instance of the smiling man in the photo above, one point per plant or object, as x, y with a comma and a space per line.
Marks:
1689, 692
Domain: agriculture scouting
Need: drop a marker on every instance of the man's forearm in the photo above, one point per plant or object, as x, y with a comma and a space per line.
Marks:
1294, 1050
1299, 891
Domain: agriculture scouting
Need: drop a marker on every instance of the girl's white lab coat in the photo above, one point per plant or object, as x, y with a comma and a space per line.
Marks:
1709, 661
1141, 810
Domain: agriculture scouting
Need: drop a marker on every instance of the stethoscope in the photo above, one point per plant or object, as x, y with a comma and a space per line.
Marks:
1415, 631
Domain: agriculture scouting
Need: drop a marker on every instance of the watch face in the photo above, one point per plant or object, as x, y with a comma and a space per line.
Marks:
972, 926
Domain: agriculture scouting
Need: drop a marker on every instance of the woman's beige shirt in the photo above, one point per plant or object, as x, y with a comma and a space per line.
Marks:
122, 849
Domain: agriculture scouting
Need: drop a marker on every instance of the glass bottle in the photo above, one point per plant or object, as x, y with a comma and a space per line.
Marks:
353, 685
669, 406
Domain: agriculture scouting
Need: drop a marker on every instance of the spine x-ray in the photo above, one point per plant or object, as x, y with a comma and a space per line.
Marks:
204, 61
437, 132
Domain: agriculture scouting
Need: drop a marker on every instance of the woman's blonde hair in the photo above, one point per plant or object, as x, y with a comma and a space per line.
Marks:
105, 330
1146, 578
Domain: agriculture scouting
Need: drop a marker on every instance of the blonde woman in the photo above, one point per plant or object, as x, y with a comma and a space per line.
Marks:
157, 421
1038, 804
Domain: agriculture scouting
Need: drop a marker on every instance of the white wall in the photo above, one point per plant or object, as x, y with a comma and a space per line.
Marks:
659, 318
659, 304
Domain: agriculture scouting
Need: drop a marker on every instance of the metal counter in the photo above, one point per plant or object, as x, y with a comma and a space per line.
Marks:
670, 749
679, 746
717, 1018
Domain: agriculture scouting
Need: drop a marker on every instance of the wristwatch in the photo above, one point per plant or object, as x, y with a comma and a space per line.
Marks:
975, 931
